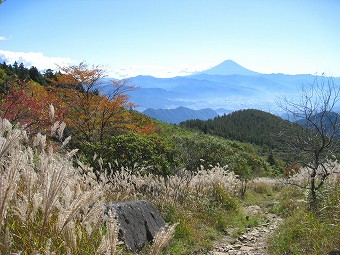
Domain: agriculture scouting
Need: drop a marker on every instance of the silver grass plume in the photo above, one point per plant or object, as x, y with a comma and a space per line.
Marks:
162, 238
51, 112
109, 242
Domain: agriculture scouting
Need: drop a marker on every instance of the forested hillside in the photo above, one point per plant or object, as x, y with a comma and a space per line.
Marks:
328, 121
250, 126
19, 71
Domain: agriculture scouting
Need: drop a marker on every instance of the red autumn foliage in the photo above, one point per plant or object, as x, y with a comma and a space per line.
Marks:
88, 115
29, 104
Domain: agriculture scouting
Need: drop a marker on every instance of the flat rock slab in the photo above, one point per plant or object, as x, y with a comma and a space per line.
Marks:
139, 222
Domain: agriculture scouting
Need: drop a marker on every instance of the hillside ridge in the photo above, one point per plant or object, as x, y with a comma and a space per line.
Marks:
179, 114
251, 126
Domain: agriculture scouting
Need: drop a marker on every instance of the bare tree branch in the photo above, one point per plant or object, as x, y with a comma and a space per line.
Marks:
315, 142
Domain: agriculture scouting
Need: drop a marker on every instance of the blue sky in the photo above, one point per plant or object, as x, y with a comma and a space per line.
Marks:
166, 38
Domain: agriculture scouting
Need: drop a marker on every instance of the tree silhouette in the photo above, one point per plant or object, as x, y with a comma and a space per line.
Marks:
314, 143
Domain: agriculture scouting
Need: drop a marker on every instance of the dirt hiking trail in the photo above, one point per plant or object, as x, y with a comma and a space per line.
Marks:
253, 241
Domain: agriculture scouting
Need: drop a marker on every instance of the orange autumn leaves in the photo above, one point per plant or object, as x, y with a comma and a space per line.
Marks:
88, 115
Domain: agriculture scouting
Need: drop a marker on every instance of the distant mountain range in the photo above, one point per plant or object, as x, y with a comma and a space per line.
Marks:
228, 86
329, 122
179, 114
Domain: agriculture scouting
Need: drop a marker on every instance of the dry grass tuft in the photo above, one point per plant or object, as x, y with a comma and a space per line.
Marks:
162, 238
174, 189
46, 204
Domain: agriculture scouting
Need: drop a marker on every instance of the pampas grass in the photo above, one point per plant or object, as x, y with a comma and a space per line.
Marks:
162, 238
46, 204
174, 189
109, 242
49, 206
10, 159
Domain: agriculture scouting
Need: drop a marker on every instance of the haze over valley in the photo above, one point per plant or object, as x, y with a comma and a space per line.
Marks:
224, 88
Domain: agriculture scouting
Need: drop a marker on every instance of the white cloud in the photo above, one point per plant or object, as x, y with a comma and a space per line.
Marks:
3, 38
36, 59
156, 71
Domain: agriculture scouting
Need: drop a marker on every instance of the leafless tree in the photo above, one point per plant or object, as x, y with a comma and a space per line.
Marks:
315, 141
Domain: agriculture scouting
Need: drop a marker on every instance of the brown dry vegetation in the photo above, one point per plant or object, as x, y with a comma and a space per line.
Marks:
49, 205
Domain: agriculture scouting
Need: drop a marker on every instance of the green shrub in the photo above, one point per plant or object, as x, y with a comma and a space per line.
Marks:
194, 232
223, 198
262, 188
198, 149
153, 152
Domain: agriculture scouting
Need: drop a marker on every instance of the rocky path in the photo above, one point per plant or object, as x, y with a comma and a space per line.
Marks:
253, 241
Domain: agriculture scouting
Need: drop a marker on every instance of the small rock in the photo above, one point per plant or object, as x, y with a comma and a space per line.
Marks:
242, 238
237, 246
246, 248
232, 252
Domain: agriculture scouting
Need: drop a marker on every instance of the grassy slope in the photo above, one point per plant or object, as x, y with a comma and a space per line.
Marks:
179, 135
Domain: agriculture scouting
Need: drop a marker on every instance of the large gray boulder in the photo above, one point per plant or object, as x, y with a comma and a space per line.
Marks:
139, 222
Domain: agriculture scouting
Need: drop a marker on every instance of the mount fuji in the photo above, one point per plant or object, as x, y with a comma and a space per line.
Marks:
228, 67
